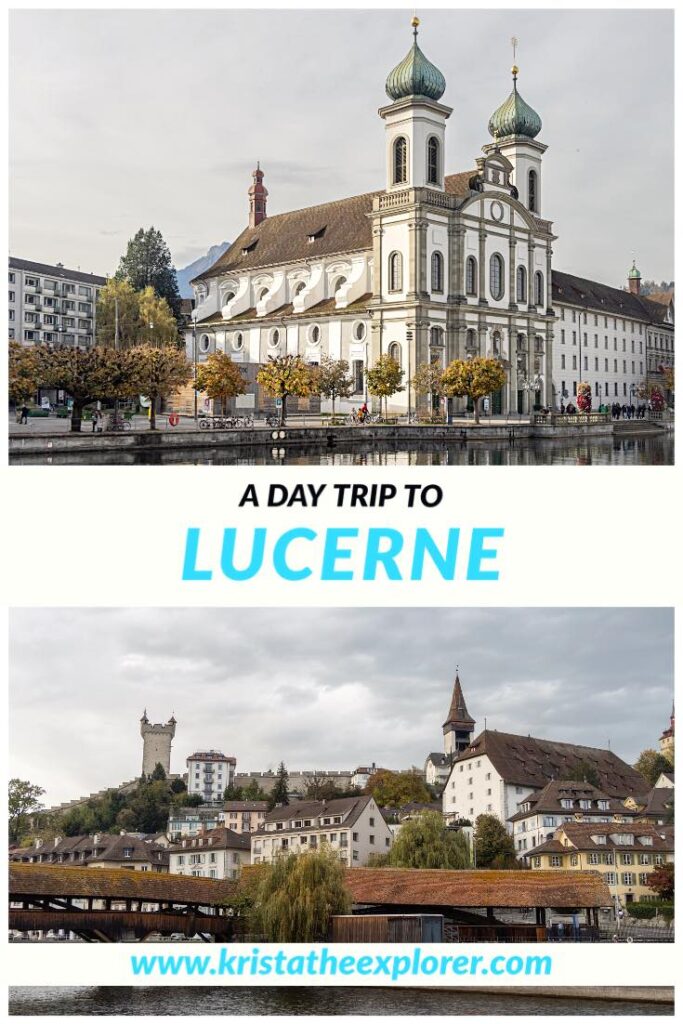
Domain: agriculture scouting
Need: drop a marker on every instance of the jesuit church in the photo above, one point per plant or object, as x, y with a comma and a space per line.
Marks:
432, 267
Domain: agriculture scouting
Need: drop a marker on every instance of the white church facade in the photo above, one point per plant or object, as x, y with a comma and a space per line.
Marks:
431, 267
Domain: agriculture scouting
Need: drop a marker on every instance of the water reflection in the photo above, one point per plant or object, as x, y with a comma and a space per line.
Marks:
608, 451
110, 1001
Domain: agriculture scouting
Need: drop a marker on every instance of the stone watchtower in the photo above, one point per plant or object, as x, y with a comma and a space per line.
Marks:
156, 744
459, 725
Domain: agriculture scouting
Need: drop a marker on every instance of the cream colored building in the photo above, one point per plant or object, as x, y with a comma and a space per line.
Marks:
352, 827
624, 854
219, 853
244, 816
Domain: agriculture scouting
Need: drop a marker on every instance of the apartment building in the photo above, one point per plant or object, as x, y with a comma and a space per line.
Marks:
100, 850
351, 827
51, 305
219, 853
244, 816
209, 773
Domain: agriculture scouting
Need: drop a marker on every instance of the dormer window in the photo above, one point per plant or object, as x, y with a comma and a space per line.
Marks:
645, 840
249, 248
315, 235
300, 287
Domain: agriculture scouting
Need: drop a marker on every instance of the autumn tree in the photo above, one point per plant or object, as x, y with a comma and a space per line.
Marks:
280, 792
661, 881
425, 842
87, 375
158, 372
24, 373
283, 376
473, 378
147, 261
651, 764
118, 311
493, 844
395, 789
157, 325
333, 379
384, 379
427, 380
296, 896
23, 799
220, 378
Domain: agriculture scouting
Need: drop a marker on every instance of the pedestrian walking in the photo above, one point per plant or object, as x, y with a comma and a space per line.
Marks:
95, 419
24, 414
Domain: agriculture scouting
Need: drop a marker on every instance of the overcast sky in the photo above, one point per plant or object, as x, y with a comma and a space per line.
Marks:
128, 118
322, 688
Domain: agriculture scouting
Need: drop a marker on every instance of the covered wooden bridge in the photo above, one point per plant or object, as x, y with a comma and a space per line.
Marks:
116, 904
471, 900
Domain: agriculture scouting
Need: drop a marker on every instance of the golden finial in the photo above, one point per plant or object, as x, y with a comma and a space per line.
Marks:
415, 21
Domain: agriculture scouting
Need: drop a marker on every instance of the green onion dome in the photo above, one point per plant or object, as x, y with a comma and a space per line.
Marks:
634, 273
515, 117
415, 75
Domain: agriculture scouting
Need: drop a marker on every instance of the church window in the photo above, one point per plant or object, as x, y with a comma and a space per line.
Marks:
228, 297
339, 283
433, 161
470, 346
437, 272
496, 343
533, 191
538, 288
359, 331
521, 284
262, 294
395, 272
471, 276
300, 287
400, 160
275, 338
238, 342
358, 375
204, 343
436, 336
395, 352
314, 335
496, 276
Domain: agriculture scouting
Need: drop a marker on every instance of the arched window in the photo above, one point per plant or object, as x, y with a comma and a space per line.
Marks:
339, 283
433, 177
533, 191
471, 276
538, 288
228, 297
400, 160
395, 272
496, 342
300, 287
471, 341
436, 336
521, 284
496, 276
437, 272
395, 352
262, 294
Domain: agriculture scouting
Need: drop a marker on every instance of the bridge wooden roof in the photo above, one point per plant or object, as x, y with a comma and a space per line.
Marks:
476, 889
117, 883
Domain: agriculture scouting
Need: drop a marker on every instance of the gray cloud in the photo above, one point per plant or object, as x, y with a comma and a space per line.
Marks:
158, 116
322, 688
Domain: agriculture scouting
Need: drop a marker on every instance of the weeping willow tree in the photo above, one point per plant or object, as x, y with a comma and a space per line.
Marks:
425, 842
297, 895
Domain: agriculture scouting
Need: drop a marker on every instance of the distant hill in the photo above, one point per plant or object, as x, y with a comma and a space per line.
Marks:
185, 274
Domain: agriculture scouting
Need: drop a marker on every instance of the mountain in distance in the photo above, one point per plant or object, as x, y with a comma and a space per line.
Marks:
186, 274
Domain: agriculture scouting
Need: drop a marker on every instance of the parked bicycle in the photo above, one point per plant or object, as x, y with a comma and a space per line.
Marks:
226, 422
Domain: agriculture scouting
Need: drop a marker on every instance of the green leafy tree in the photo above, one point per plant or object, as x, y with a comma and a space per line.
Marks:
24, 373
493, 844
334, 380
87, 375
23, 800
296, 897
147, 261
178, 786
661, 881
158, 772
473, 378
651, 764
118, 314
395, 789
157, 325
427, 380
280, 792
159, 372
283, 376
425, 842
233, 792
384, 379
254, 792
583, 772
191, 800
221, 379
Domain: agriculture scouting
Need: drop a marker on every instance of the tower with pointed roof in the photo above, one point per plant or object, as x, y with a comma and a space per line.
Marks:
258, 197
667, 739
458, 728
514, 127
156, 744
634, 279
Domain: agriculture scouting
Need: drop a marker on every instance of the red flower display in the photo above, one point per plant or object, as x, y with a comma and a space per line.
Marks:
584, 399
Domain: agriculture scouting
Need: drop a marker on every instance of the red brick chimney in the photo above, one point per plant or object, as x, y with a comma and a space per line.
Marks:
258, 195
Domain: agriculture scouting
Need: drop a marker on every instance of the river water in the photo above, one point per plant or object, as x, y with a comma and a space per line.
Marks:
604, 451
181, 1001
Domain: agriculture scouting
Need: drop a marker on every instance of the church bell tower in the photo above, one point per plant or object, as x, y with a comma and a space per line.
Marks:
459, 725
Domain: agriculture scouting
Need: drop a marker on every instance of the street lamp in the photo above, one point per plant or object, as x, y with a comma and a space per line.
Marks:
531, 385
